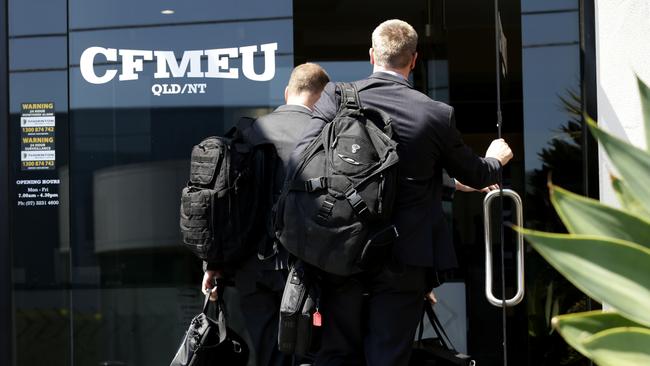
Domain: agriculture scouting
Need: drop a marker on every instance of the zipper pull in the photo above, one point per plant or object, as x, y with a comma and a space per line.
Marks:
336, 139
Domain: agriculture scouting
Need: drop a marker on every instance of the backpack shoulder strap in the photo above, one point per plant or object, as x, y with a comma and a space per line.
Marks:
271, 161
241, 128
349, 96
245, 123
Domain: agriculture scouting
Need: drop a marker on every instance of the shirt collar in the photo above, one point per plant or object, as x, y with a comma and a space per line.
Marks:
304, 106
390, 77
391, 72
296, 107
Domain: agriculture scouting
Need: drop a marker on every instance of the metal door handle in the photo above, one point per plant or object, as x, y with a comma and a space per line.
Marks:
488, 249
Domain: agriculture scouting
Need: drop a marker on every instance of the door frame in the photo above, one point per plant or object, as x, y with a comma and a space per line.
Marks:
589, 95
6, 308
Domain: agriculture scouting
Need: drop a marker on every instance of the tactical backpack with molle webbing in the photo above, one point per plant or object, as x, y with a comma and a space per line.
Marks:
226, 201
335, 209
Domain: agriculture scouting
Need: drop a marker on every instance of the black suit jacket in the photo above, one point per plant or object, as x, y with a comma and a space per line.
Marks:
427, 142
283, 128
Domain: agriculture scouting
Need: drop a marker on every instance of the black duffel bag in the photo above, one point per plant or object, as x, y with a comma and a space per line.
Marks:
209, 342
436, 351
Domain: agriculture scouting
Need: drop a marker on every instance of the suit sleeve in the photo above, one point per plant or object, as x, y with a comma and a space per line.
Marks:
462, 163
210, 266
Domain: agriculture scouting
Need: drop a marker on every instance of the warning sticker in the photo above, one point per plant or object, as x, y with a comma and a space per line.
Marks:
37, 145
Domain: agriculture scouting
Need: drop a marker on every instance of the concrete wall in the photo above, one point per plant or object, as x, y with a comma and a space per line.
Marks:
622, 49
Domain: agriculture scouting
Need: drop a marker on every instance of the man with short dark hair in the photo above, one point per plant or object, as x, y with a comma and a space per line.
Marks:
261, 282
378, 329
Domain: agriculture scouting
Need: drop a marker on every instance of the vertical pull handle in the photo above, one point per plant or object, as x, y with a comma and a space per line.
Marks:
519, 295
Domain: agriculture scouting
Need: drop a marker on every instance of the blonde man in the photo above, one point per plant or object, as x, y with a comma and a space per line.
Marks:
379, 329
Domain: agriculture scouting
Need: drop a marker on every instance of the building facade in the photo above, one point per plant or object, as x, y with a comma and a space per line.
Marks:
102, 101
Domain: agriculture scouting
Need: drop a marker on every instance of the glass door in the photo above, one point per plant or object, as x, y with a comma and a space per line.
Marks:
539, 78
104, 266
478, 221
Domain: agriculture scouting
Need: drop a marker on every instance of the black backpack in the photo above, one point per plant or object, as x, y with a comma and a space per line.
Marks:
225, 205
336, 206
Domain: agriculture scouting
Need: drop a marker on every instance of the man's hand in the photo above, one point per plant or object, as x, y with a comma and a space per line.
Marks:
431, 297
499, 150
207, 285
491, 188
464, 188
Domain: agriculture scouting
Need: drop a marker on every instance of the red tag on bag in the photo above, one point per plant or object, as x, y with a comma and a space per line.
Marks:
317, 320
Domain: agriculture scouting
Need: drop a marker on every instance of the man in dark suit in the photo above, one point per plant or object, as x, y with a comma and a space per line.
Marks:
379, 329
260, 282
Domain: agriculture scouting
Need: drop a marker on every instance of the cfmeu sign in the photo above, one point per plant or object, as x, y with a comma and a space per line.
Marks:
168, 66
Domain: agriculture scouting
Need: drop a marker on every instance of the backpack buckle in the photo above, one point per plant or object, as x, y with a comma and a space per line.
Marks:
358, 204
315, 184
325, 210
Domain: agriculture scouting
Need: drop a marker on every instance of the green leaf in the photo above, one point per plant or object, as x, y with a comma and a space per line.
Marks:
548, 305
632, 162
586, 216
609, 270
624, 346
644, 91
627, 199
576, 328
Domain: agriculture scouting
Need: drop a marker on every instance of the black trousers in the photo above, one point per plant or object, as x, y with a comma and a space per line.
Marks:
370, 319
260, 295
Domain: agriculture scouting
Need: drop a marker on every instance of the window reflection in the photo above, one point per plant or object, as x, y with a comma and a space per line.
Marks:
27, 54
346, 70
130, 153
37, 73
92, 14
552, 117
114, 239
37, 18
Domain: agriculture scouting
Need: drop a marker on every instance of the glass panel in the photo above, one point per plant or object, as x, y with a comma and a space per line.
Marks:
93, 14
438, 80
549, 6
38, 207
37, 17
173, 80
456, 66
552, 133
37, 53
537, 33
102, 270
346, 70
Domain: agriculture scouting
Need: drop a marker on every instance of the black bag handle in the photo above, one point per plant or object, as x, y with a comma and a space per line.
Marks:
437, 327
220, 284
349, 96
220, 320
421, 327
350, 99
